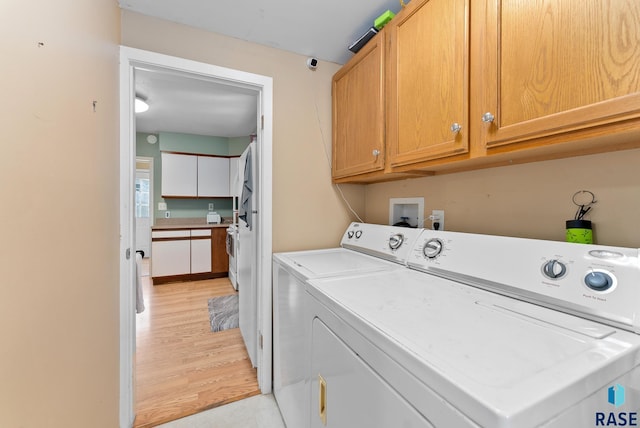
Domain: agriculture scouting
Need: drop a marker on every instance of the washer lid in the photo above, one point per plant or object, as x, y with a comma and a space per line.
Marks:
332, 262
501, 362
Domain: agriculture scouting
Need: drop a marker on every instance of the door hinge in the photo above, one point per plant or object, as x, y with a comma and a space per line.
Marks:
127, 253
262, 122
261, 341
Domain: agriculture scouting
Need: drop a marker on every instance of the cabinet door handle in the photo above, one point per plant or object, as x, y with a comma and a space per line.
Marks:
376, 152
322, 401
488, 117
455, 127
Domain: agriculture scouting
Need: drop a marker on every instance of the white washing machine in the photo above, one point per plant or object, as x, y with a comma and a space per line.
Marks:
364, 248
481, 331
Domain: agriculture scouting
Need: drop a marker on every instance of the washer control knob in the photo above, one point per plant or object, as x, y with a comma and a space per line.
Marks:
554, 269
358, 234
396, 241
598, 280
432, 248
350, 234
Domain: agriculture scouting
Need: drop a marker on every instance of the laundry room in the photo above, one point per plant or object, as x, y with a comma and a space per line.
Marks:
507, 300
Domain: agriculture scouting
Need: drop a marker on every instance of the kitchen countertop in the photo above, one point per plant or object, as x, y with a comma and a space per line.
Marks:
187, 223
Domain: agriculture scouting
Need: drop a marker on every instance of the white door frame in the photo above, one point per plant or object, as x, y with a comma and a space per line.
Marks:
131, 58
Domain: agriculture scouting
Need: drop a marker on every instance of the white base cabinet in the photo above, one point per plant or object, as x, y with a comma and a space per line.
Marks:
347, 393
180, 252
201, 251
171, 252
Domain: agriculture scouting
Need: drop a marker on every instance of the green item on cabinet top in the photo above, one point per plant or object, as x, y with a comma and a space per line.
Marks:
382, 20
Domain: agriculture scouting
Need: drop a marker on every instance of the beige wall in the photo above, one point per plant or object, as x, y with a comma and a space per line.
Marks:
530, 200
307, 210
59, 218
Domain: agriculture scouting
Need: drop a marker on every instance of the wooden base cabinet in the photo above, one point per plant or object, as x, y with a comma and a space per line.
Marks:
219, 256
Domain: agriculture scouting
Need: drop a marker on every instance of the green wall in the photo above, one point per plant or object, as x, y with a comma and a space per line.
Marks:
237, 145
188, 143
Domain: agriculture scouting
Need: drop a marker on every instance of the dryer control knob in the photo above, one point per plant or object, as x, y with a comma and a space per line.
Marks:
598, 280
396, 241
554, 269
432, 248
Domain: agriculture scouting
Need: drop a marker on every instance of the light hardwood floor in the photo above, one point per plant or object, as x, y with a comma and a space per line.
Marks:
182, 367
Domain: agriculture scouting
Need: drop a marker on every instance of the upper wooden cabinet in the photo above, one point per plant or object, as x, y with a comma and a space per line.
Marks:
428, 82
358, 112
555, 67
499, 81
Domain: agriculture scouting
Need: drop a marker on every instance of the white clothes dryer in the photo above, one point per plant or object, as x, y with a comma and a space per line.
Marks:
364, 248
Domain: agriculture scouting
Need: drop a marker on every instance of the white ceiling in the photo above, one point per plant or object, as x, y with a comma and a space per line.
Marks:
189, 105
320, 28
323, 29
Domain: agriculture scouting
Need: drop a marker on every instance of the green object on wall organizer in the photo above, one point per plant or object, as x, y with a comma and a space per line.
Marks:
579, 231
383, 19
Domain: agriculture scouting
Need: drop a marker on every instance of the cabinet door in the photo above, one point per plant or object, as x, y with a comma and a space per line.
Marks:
171, 253
358, 112
179, 175
213, 176
557, 67
200, 250
234, 178
219, 256
347, 393
428, 75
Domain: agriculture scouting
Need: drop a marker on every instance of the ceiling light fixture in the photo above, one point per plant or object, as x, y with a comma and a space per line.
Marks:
141, 104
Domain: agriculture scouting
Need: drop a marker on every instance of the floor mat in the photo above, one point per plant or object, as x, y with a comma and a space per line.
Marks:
223, 312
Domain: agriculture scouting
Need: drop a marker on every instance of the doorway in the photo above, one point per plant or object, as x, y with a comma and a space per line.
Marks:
130, 60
